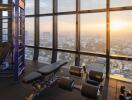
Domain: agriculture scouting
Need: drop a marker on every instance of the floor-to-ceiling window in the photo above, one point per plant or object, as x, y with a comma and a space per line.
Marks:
121, 33
29, 28
66, 32
93, 32
46, 31
78, 31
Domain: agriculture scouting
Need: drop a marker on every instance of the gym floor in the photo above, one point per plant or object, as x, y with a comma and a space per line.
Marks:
10, 90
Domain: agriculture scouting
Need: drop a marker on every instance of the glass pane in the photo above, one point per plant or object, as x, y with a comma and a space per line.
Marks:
120, 3
5, 13
66, 31
121, 68
5, 25
92, 4
5, 1
4, 37
29, 7
93, 32
66, 5
121, 33
93, 63
63, 56
29, 53
29, 31
46, 32
45, 56
5, 20
46, 6
5, 31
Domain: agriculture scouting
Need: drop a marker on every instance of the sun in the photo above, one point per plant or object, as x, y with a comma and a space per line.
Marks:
117, 25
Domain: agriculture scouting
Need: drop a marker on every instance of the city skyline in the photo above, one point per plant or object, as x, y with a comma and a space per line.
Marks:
123, 68
93, 40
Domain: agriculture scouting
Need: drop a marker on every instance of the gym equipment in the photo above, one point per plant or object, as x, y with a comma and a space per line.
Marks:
44, 71
96, 76
75, 71
93, 82
15, 37
42, 78
66, 83
125, 94
90, 88
87, 90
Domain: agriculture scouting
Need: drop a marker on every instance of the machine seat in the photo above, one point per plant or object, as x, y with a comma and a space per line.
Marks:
51, 68
42, 72
33, 76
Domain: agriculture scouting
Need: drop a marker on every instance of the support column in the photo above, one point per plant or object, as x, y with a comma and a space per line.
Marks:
55, 32
36, 35
108, 39
77, 56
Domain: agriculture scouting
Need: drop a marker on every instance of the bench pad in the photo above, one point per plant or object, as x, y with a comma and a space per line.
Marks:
51, 68
33, 76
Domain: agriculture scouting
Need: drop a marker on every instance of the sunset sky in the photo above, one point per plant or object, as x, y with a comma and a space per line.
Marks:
121, 21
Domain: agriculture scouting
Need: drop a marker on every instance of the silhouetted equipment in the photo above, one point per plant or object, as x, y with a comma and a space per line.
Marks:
66, 83
96, 76
74, 70
125, 94
89, 90
91, 85
43, 77
44, 71
16, 38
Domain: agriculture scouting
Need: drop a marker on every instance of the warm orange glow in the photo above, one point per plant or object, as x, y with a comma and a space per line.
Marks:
117, 25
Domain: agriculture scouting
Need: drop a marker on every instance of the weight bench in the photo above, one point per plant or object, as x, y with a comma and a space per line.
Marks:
44, 71
42, 78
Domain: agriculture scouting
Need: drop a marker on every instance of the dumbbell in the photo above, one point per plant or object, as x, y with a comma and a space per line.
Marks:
90, 90
87, 90
76, 71
66, 83
96, 76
